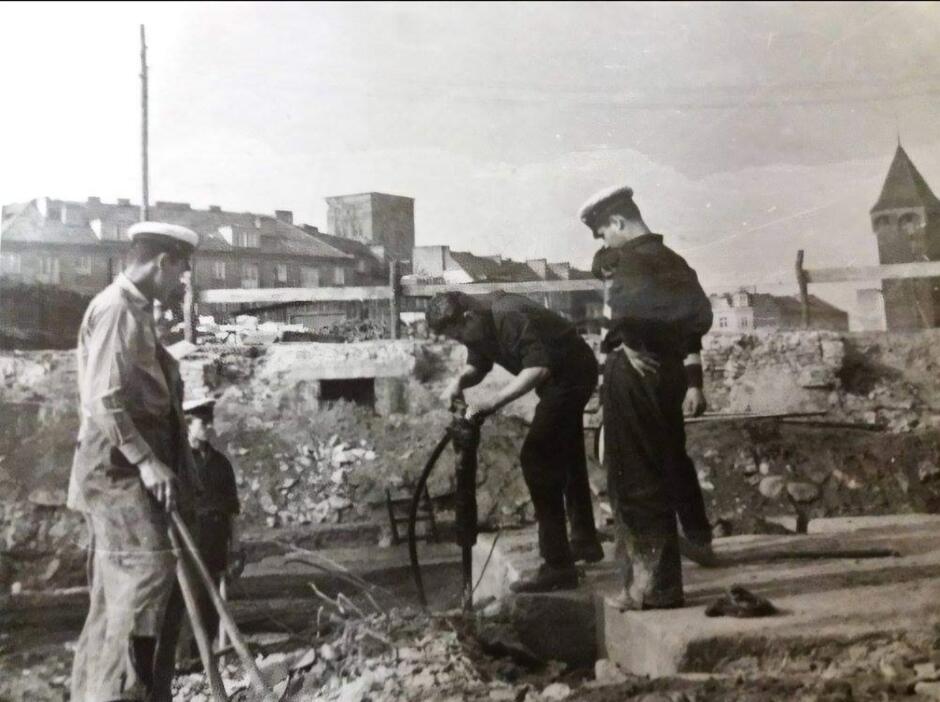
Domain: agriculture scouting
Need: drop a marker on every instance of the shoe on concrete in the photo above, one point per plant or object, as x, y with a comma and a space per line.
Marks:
587, 551
700, 553
625, 603
548, 579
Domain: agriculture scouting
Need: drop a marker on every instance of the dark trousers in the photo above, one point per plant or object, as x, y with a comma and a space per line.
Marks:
554, 463
649, 474
687, 492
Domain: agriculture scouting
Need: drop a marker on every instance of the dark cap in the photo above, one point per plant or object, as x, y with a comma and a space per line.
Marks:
615, 200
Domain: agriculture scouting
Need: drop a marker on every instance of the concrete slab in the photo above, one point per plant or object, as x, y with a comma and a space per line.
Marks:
820, 598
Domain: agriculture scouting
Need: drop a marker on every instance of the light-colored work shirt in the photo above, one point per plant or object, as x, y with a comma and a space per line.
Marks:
126, 401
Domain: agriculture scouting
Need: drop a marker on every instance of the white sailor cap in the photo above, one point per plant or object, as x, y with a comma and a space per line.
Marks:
185, 240
200, 406
605, 203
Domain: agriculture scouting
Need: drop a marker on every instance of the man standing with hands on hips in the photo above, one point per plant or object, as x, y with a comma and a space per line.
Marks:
653, 372
132, 467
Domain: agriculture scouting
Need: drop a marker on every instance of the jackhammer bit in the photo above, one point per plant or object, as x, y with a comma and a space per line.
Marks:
465, 435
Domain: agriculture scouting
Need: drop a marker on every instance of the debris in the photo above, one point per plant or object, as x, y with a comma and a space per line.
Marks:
772, 487
802, 492
556, 691
740, 602
606, 672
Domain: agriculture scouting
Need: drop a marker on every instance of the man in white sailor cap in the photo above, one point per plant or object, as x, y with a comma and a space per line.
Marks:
132, 466
653, 374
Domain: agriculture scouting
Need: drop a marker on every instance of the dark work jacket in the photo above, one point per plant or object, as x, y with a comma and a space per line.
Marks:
656, 302
217, 478
526, 335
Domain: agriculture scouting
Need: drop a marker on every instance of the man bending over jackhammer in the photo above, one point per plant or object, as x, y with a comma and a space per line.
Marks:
546, 354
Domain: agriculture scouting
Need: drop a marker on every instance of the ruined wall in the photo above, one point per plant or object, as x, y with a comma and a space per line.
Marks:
302, 462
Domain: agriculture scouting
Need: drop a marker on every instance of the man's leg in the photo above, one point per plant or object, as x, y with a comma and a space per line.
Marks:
93, 632
135, 569
687, 492
164, 660
580, 507
634, 454
546, 477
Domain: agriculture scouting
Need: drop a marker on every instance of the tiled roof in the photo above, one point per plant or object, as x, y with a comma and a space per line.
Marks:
277, 237
479, 268
489, 270
28, 224
904, 186
348, 246
785, 303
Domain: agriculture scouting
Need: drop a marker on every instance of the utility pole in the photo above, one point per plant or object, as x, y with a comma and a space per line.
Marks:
145, 195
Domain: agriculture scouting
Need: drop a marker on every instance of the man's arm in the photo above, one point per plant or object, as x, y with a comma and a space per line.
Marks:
115, 341
516, 332
698, 325
469, 376
528, 379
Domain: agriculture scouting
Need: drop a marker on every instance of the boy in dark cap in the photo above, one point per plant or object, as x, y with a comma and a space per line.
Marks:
653, 373
546, 354
217, 507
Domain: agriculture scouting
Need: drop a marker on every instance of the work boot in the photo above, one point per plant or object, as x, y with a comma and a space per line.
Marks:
625, 603
548, 578
587, 551
700, 553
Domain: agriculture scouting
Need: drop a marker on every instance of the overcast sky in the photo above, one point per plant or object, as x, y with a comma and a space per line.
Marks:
746, 131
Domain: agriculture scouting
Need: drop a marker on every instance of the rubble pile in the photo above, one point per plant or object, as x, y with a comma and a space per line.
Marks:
401, 654
312, 486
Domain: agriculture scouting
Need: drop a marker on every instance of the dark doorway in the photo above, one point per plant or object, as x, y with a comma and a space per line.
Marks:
358, 390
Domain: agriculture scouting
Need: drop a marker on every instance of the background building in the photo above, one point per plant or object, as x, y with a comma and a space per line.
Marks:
746, 311
384, 223
906, 222
439, 264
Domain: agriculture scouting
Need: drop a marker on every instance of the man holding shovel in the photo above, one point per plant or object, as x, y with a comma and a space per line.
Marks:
132, 468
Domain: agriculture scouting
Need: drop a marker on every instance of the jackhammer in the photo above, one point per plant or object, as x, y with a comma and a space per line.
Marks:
465, 435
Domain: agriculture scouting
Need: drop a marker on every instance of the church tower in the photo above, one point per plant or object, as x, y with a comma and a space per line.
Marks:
906, 222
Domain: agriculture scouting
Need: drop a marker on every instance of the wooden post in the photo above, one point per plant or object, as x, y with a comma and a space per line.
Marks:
394, 282
145, 177
189, 307
203, 642
225, 616
802, 282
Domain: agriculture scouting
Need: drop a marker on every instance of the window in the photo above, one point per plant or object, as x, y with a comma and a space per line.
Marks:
247, 240
281, 272
743, 322
339, 276
361, 265
723, 322
11, 263
83, 265
218, 270
909, 223
49, 269
250, 275
309, 277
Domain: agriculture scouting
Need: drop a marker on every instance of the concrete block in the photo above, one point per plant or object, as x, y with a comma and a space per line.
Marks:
818, 597
391, 396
